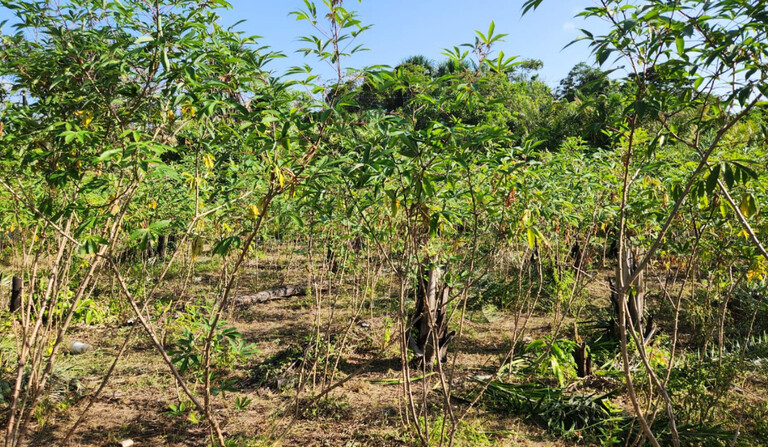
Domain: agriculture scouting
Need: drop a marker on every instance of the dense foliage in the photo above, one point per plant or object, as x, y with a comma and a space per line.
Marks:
141, 139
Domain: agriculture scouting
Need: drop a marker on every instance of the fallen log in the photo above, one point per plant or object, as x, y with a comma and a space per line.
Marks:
272, 294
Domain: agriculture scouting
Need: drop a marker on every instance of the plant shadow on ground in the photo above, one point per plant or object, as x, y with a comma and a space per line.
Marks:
366, 411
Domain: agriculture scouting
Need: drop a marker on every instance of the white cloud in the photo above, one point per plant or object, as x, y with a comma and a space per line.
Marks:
569, 26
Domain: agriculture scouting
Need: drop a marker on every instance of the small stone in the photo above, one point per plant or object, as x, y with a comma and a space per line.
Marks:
126, 443
79, 348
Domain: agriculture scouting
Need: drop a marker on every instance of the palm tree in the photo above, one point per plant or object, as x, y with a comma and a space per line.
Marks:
452, 66
422, 61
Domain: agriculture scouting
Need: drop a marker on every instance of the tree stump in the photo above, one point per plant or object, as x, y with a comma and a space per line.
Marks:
172, 242
162, 245
430, 319
583, 359
16, 286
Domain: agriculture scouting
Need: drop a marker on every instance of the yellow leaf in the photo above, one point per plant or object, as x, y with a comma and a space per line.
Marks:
745, 234
197, 247
744, 206
85, 117
531, 238
526, 218
191, 181
261, 208
253, 211
208, 161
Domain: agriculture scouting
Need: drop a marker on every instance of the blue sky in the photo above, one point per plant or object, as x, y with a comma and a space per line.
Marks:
403, 28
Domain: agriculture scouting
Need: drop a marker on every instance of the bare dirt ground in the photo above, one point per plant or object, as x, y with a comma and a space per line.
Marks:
368, 410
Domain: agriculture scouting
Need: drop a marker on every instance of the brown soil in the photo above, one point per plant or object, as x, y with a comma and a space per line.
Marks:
363, 412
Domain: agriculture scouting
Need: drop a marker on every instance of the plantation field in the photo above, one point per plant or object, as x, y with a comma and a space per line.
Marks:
368, 409
199, 249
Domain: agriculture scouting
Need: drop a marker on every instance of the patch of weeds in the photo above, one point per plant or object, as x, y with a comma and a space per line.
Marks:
208, 265
183, 411
330, 408
362, 342
588, 418
701, 390
5, 391
90, 311
758, 430
65, 391
45, 408
471, 434
548, 358
388, 330
192, 326
498, 291
755, 349
701, 387
7, 359
468, 434
302, 302
749, 299
569, 416
247, 441
227, 348
691, 435
242, 403
277, 371
280, 371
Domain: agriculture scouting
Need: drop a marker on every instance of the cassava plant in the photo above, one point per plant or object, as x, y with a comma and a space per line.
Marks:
98, 96
693, 72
